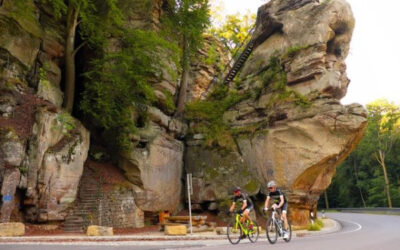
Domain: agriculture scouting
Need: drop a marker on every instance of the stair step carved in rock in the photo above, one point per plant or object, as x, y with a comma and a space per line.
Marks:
87, 204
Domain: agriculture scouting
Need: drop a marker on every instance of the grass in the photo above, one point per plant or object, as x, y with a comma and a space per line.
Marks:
316, 226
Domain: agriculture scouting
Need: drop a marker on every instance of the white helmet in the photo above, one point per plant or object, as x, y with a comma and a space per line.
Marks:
271, 184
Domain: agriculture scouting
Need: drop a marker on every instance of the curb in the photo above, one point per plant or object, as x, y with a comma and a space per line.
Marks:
118, 238
335, 228
149, 238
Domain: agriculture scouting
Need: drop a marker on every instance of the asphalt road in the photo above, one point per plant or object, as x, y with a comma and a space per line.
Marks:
359, 232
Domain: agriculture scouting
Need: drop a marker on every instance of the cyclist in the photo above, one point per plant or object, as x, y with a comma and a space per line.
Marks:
279, 202
247, 205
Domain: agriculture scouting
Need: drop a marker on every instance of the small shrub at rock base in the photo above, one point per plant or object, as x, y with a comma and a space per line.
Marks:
316, 226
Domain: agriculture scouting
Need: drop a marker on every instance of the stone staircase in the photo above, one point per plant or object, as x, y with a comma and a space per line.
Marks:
86, 209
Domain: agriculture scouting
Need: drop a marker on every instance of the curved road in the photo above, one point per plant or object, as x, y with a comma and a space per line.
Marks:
359, 232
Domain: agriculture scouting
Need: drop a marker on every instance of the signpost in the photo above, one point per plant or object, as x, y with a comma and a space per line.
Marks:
190, 192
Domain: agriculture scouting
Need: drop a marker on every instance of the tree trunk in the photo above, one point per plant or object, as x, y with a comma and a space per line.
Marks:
357, 182
326, 200
185, 79
72, 23
381, 160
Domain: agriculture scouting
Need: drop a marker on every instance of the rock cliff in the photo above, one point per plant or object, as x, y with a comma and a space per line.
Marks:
282, 117
43, 149
290, 127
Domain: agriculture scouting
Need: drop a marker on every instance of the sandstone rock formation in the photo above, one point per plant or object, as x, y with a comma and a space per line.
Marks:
300, 132
42, 148
209, 63
290, 127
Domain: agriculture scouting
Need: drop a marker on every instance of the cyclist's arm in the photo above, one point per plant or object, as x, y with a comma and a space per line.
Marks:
267, 201
282, 201
244, 205
232, 206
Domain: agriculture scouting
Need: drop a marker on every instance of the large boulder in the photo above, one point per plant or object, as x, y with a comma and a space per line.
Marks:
57, 153
291, 127
155, 166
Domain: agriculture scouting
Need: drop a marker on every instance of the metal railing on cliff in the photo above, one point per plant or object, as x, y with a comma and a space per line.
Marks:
235, 63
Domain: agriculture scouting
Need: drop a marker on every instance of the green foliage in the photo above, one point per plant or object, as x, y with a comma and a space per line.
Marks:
250, 129
24, 12
274, 77
118, 84
360, 176
59, 7
208, 115
314, 227
292, 51
23, 170
212, 56
234, 30
98, 20
67, 121
168, 104
319, 223
187, 20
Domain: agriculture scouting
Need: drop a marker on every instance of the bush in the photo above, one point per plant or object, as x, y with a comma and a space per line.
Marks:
318, 224
208, 115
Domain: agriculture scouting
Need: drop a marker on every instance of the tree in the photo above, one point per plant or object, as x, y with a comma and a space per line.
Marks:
234, 31
95, 20
117, 88
384, 118
187, 19
358, 182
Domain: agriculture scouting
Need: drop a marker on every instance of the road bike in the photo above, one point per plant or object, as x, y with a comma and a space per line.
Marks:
237, 230
274, 228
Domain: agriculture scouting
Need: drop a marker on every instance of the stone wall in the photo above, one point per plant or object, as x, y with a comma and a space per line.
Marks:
118, 209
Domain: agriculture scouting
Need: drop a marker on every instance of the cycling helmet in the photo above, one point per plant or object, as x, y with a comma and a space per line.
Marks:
271, 184
237, 189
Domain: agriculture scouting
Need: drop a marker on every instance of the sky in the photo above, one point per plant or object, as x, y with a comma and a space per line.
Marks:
373, 64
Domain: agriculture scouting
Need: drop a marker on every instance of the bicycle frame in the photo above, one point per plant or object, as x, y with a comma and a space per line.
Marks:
244, 230
278, 225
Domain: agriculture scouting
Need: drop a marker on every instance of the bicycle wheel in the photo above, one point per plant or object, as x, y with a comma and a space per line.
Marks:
290, 233
254, 232
233, 232
272, 231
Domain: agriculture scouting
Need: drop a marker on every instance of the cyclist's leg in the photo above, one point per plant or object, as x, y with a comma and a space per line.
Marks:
284, 216
246, 214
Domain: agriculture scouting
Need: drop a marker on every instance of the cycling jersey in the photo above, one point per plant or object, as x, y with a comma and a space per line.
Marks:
275, 196
243, 197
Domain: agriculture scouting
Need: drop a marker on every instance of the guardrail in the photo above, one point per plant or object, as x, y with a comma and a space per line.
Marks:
375, 210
